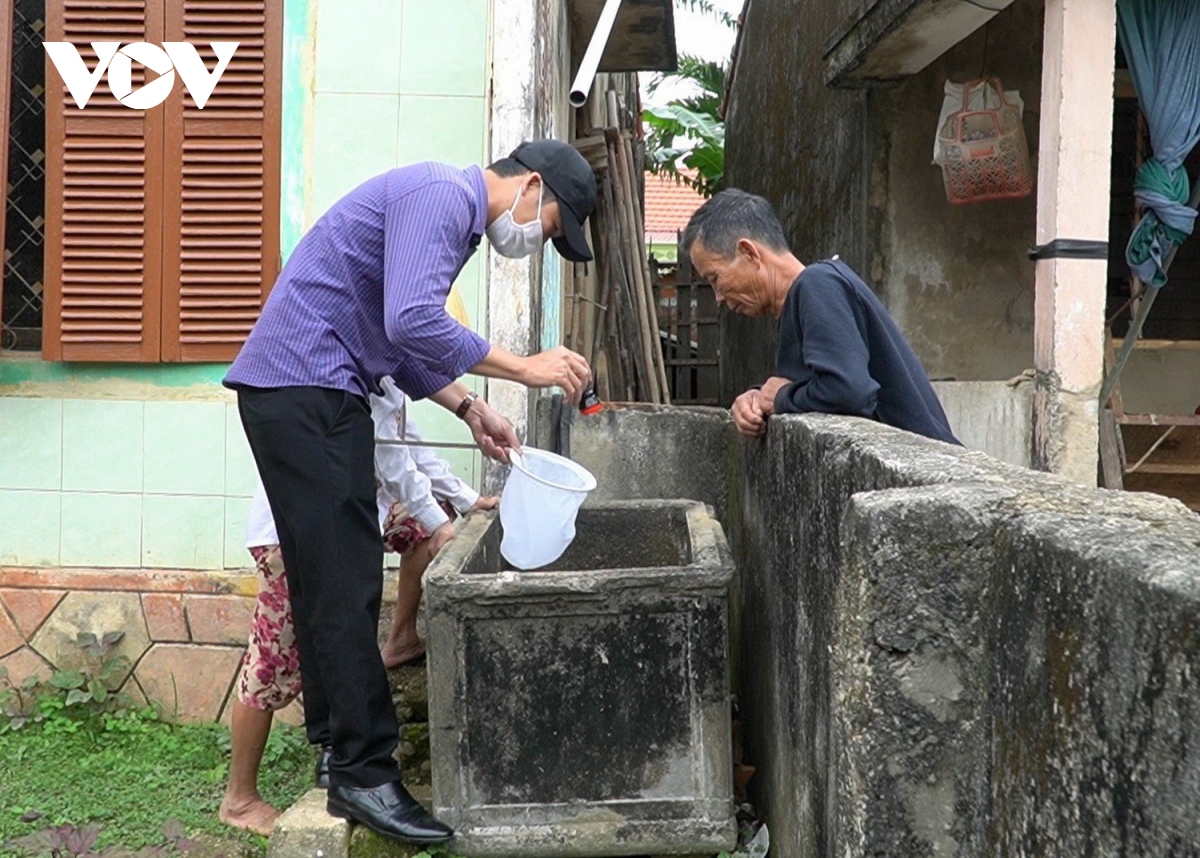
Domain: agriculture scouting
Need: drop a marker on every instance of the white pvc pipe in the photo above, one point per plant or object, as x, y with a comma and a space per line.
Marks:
582, 84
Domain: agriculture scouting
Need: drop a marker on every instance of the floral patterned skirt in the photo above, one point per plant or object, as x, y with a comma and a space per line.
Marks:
401, 531
270, 676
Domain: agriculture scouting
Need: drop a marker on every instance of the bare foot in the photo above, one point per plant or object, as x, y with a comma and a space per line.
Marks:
253, 815
396, 655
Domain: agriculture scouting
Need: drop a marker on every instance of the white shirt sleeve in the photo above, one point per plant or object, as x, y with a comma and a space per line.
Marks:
395, 465
260, 524
443, 481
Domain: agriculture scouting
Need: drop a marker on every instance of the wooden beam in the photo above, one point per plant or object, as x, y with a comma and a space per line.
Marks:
1112, 454
1173, 345
1165, 468
1159, 419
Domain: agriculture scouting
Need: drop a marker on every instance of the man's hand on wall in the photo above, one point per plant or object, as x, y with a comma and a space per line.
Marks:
769, 391
748, 414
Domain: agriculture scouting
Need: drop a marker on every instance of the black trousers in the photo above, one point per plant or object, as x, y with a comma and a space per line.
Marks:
315, 452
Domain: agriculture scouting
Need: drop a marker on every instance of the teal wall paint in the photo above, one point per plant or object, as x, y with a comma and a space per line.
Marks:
297, 98
21, 371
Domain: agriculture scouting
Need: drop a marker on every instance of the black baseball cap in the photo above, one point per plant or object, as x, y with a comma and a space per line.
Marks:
568, 175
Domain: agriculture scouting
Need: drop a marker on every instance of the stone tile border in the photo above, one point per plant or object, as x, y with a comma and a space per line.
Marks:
185, 630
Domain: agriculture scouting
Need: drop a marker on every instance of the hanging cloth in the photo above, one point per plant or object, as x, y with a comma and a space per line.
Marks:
1161, 40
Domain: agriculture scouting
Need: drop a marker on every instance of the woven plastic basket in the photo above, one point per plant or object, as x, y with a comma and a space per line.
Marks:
984, 155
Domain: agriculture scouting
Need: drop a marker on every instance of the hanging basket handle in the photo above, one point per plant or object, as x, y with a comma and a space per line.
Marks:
972, 85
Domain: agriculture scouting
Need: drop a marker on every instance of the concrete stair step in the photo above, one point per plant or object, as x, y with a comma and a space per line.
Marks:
306, 830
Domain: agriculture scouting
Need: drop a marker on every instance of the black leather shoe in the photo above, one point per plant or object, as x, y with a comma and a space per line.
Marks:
389, 811
322, 775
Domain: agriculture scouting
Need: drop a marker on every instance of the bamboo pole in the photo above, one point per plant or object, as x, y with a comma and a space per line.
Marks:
625, 329
636, 288
622, 188
638, 281
639, 241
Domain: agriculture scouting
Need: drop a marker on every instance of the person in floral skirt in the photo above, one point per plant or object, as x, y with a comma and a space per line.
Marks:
418, 500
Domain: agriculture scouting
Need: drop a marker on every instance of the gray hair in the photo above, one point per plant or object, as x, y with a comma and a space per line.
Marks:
730, 216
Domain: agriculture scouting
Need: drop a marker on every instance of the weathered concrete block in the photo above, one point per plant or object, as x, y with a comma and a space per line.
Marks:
902, 674
993, 416
306, 830
1097, 650
584, 709
909, 679
655, 441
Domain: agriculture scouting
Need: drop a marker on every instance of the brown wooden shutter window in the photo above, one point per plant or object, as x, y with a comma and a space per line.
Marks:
162, 233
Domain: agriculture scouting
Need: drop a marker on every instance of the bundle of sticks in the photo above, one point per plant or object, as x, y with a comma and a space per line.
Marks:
610, 312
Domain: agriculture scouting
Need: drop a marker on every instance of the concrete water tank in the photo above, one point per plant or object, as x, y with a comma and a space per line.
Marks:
583, 708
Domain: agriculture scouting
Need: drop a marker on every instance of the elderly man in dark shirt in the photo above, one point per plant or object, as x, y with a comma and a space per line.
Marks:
839, 350
363, 296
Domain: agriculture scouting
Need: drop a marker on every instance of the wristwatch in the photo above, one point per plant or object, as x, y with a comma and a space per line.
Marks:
465, 405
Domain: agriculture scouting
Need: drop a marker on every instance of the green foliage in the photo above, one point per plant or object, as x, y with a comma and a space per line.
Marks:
127, 774
689, 133
705, 7
284, 745
68, 692
695, 120
437, 851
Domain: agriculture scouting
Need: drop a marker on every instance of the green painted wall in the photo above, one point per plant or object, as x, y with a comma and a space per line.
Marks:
23, 370
126, 466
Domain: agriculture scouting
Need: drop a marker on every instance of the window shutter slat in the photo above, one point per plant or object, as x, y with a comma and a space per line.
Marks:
103, 198
221, 224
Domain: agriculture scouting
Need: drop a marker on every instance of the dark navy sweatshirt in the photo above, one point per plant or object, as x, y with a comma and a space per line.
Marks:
845, 355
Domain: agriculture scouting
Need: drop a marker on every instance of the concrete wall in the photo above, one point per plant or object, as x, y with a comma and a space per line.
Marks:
802, 146
956, 278
994, 417
634, 451
941, 653
850, 173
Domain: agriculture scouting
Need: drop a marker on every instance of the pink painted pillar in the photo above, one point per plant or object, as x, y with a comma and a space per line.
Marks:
1074, 158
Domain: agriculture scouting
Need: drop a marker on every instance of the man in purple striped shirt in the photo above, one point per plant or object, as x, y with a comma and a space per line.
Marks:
363, 296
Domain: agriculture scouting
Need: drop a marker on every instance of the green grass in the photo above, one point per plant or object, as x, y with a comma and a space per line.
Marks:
132, 773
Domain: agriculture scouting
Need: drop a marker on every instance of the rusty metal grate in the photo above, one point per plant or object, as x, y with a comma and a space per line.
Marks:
687, 320
25, 225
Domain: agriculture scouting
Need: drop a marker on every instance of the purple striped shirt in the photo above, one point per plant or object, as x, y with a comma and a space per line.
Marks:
364, 293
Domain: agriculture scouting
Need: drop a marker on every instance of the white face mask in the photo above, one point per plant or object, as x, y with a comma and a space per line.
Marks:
513, 239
